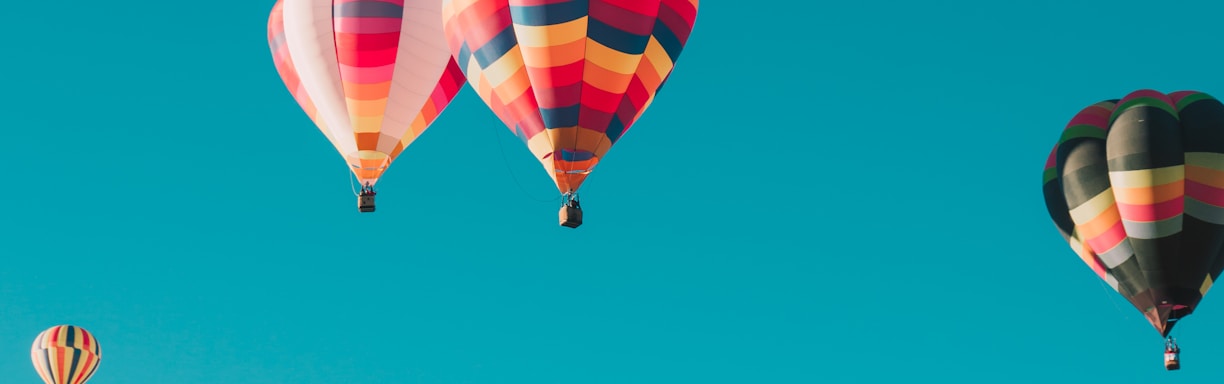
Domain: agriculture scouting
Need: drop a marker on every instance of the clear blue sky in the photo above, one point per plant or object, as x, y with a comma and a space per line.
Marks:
862, 203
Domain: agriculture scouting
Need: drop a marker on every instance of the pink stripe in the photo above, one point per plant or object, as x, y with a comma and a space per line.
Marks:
367, 75
1050, 161
368, 24
1094, 263
1152, 212
1147, 93
1093, 115
1205, 193
1109, 239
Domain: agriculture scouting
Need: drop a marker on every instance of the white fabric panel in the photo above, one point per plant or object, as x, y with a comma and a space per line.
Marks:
420, 61
311, 41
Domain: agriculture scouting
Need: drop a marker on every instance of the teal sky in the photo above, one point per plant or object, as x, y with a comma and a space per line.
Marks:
822, 193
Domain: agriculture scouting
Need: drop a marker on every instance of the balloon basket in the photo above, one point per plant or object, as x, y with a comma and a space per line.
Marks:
365, 203
571, 216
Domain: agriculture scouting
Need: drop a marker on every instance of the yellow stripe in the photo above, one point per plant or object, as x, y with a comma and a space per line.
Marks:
659, 59
611, 59
550, 35
366, 124
1093, 207
514, 87
1206, 159
1147, 177
504, 67
1206, 285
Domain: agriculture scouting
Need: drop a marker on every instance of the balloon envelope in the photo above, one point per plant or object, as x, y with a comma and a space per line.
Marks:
568, 77
65, 354
372, 75
1136, 187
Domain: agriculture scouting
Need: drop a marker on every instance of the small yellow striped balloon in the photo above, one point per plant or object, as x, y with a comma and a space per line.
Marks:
66, 354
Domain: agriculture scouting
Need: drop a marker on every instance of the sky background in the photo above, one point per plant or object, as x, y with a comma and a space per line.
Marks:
859, 201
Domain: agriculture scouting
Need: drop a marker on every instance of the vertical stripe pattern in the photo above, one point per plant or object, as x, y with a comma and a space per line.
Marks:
65, 354
371, 74
568, 77
1136, 187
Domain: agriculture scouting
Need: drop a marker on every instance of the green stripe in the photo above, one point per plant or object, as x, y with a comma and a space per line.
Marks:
1049, 174
1107, 104
1081, 131
1191, 98
1142, 102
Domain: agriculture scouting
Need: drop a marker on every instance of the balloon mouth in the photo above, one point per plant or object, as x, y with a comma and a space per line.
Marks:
368, 166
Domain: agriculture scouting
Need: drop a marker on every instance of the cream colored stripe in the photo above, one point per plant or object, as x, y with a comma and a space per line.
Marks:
1093, 207
1147, 177
420, 60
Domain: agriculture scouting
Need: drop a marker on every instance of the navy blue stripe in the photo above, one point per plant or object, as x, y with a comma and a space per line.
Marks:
668, 39
617, 39
496, 48
70, 340
549, 14
615, 129
571, 155
76, 359
562, 117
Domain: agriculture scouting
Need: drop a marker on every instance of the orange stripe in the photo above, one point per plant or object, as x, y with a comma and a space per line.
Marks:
367, 108
1149, 195
647, 74
1203, 175
372, 91
604, 79
554, 56
1100, 224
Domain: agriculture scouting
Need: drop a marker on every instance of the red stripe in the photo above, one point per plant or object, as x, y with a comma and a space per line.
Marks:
1093, 116
367, 49
678, 16
1205, 193
600, 100
1109, 239
1152, 212
639, 22
1147, 93
594, 120
558, 76
480, 22
558, 97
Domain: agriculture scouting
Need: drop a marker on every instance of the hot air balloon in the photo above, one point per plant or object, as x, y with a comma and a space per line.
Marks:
568, 77
371, 74
1136, 187
65, 354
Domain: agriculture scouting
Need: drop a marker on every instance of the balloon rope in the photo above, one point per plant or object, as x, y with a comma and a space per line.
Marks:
349, 171
1112, 300
506, 162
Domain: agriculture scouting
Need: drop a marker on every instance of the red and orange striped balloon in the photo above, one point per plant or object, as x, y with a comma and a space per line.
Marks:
371, 74
568, 77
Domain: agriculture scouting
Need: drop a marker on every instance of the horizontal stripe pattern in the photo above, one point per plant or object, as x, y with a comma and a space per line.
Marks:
568, 77
1141, 179
380, 68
